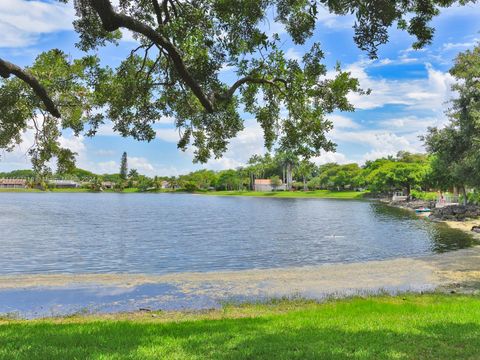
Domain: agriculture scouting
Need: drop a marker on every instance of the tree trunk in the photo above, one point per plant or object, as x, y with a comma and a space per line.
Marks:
289, 176
304, 184
464, 193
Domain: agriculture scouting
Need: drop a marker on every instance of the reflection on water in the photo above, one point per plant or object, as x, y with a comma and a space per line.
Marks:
443, 238
47, 302
165, 233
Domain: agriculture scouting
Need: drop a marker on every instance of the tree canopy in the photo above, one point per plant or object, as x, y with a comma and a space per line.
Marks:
455, 147
175, 71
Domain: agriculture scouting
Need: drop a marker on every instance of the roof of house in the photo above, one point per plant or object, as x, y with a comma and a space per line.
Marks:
63, 182
13, 182
263, 182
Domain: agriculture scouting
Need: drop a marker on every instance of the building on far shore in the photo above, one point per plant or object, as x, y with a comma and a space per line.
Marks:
13, 183
164, 185
64, 184
108, 185
266, 185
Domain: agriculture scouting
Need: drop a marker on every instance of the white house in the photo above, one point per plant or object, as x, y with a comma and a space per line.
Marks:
64, 184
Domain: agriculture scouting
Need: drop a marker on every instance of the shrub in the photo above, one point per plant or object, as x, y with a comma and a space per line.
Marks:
190, 186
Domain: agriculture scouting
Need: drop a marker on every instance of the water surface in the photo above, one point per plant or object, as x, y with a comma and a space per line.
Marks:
167, 233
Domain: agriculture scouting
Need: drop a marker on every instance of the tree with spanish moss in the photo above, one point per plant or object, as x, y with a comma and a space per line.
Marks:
175, 71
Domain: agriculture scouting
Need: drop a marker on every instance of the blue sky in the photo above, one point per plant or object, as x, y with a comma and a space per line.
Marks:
409, 90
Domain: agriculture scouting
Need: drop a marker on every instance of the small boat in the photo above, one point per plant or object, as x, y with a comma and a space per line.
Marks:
422, 210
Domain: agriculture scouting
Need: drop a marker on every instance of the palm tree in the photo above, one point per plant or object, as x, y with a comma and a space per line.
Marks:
288, 160
304, 170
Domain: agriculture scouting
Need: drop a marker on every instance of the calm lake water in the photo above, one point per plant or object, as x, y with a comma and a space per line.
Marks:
166, 233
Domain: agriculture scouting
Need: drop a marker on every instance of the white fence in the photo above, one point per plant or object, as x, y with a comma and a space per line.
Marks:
446, 200
399, 196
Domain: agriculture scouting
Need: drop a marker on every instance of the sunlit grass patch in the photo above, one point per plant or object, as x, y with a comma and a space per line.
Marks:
430, 326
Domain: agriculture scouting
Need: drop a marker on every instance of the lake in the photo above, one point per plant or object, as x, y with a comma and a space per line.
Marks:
48, 233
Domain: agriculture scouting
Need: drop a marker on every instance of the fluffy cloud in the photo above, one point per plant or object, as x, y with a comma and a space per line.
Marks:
168, 135
380, 143
141, 164
428, 93
248, 142
330, 157
105, 167
460, 45
412, 123
22, 22
343, 122
331, 21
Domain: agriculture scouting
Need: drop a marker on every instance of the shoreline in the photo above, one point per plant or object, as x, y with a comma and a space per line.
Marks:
314, 194
441, 268
91, 294
465, 225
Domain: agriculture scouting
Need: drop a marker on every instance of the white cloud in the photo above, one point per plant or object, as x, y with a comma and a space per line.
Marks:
428, 93
168, 135
141, 164
292, 54
380, 142
272, 27
22, 22
73, 143
105, 152
247, 143
331, 21
412, 123
330, 157
343, 122
105, 167
460, 45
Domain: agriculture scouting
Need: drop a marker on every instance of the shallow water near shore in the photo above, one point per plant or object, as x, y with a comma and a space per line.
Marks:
68, 253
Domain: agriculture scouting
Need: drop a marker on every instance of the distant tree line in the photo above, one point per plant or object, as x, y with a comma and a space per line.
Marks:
406, 171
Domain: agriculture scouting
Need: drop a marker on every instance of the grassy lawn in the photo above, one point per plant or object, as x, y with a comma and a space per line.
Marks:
72, 190
327, 194
405, 327
19, 190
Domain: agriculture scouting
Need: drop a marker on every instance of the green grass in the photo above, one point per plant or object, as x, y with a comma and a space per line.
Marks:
72, 190
130, 190
19, 190
408, 327
327, 194
68, 190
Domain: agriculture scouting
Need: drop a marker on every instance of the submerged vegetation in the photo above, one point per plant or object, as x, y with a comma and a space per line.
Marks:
431, 326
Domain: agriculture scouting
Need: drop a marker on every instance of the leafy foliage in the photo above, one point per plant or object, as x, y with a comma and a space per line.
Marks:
176, 72
72, 85
455, 148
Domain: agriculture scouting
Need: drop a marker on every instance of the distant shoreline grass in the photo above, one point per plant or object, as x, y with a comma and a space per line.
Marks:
429, 326
317, 194
326, 194
72, 190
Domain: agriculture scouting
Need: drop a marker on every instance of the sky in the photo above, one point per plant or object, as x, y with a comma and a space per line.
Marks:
410, 90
